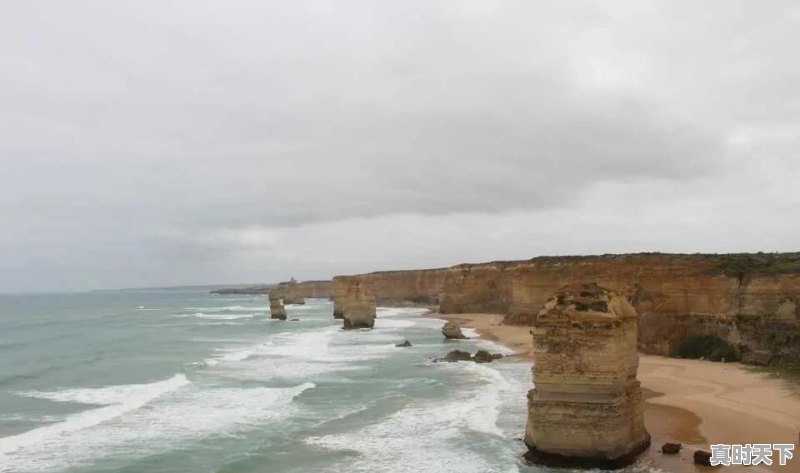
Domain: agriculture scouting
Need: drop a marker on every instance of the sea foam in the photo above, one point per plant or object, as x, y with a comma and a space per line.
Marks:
120, 399
121, 430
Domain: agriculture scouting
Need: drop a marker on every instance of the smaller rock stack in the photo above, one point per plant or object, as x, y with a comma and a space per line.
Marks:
356, 303
452, 330
276, 309
586, 408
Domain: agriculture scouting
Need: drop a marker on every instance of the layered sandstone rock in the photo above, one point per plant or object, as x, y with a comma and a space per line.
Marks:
292, 292
750, 306
586, 408
452, 330
751, 301
413, 287
477, 288
276, 309
355, 302
396, 288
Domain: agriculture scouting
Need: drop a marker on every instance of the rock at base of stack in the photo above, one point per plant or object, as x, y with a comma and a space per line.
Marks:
586, 409
276, 309
354, 302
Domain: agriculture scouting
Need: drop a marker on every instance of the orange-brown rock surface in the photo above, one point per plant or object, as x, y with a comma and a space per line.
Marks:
354, 301
276, 309
752, 301
678, 296
586, 408
477, 288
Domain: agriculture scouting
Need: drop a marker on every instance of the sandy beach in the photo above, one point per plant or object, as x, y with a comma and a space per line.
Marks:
692, 402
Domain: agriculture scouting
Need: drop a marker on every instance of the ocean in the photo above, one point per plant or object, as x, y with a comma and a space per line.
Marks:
184, 381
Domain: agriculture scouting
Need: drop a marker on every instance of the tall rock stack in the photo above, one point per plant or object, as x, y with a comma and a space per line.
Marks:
276, 309
355, 302
586, 408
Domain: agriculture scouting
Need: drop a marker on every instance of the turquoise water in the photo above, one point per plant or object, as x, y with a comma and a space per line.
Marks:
168, 381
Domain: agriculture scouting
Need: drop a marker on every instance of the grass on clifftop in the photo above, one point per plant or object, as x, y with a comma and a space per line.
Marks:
740, 265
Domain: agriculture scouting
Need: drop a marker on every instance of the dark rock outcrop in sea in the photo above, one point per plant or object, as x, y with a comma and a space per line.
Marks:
483, 356
457, 355
586, 409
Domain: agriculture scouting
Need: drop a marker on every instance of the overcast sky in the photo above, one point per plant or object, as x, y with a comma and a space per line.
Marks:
193, 141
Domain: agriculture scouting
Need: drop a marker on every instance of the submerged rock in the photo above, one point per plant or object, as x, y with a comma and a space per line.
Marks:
457, 355
276, 309
452, 330
404, 344
483, 356
586, 409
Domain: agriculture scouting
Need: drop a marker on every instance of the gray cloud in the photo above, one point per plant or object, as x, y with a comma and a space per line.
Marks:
202, 133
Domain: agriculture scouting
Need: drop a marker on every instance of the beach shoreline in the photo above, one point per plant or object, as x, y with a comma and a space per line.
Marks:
692, 402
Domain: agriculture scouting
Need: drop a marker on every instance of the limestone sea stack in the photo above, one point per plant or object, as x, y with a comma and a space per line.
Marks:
276, 309
356, 302
452, 330
586, 408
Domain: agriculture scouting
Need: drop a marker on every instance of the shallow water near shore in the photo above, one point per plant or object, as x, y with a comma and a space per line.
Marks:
187, 382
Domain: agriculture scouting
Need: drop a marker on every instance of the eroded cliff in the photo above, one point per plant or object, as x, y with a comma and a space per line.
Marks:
753, 307
477, 288
751, 301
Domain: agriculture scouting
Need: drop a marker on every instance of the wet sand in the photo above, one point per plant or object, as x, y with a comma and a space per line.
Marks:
691, 401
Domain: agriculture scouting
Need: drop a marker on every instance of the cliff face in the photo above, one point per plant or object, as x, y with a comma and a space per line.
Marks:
294, 292
750, 301
355, 302
477, 288
402, 287
586, 409
678, 296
